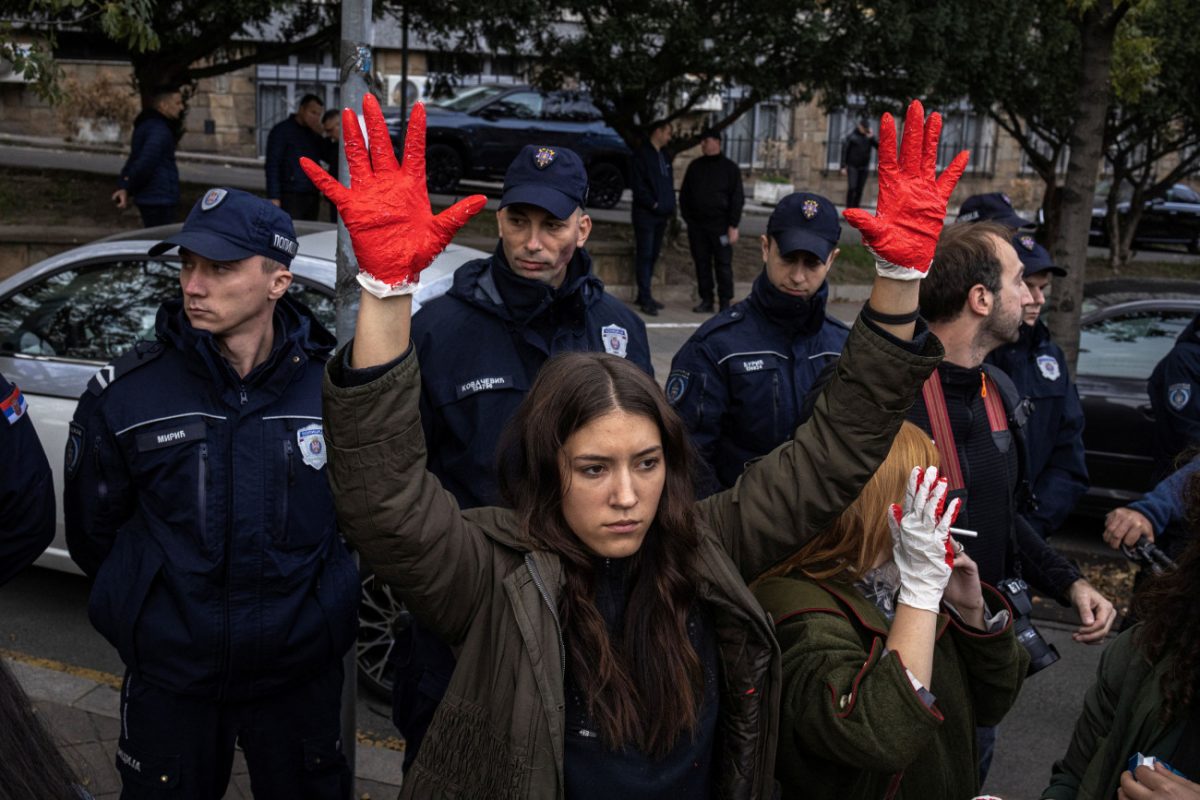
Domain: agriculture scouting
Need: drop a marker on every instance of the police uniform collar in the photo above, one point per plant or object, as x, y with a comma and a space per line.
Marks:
525, 299
798, 315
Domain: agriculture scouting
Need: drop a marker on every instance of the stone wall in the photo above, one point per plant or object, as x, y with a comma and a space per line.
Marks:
230, 103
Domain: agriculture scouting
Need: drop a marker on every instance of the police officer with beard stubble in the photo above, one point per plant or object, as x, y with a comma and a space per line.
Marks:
505, 316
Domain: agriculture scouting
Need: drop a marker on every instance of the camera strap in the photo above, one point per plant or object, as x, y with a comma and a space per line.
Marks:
939, 422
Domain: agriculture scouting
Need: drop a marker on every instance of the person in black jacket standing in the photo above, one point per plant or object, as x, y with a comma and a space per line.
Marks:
297, 136
711, 200
150, 178
856, 161
653, 207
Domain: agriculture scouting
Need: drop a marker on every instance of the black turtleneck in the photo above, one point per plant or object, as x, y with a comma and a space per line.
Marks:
527, 299
799, 316
593, 772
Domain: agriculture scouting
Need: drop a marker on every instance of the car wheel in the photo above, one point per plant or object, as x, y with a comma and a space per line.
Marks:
377, 612
605, 185
443, 168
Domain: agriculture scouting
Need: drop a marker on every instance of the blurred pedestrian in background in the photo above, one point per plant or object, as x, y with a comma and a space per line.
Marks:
149, 179
710, 201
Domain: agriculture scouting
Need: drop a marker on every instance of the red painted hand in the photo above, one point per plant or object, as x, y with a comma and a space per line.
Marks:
386, 207
911, 207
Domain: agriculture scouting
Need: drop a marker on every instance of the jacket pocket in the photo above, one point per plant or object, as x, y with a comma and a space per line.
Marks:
150, 771
304, 502
119, 596
337, 592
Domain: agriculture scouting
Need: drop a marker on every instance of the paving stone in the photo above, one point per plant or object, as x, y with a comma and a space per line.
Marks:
103, 700
378, 764
107, 729
93, 763
51, 685
67, 725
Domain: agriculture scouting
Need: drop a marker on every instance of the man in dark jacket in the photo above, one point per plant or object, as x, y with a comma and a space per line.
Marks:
26, 487
740, 380
856, 160
150, 177
1054, 430
197, 498
1174, 388
973, 301
300, 135
486, 338
653, 207
710, 201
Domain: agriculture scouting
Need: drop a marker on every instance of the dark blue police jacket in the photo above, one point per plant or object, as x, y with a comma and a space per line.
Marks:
1174, 389
482, 343
150, 174
26, 487
740, 381
200, 503
1054, 430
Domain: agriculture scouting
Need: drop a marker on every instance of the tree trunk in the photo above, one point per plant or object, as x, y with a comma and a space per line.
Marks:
1069, 249
1051, 210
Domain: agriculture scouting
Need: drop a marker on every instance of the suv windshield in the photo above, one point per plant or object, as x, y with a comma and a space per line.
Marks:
473, 97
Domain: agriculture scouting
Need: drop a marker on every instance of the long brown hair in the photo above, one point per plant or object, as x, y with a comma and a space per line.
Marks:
859, 536
1170, 615
643, 688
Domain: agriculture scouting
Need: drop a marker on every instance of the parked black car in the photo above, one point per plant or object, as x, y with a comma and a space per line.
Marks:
1119, 345
478, 133
1172, 219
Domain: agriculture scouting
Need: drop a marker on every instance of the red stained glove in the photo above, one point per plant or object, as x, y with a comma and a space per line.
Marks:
386, 208
912, 200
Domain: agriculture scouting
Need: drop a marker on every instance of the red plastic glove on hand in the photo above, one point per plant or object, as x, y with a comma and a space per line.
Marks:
912, 200
386, 208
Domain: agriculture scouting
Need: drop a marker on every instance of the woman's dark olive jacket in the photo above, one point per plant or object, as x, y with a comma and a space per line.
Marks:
473, 579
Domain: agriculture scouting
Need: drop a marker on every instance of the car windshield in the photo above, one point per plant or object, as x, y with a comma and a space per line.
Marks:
473, 97
1130, 345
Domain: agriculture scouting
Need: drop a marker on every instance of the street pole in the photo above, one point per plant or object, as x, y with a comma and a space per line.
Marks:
356, 62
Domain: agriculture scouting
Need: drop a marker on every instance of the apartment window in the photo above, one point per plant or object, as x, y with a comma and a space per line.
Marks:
761, 138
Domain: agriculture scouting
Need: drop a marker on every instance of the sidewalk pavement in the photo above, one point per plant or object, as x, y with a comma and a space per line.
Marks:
46, 152
81, 707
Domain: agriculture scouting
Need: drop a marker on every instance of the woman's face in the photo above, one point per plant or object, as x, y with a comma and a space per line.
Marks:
613, 475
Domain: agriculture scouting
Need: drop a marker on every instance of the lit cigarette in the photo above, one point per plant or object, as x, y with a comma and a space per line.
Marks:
964, 533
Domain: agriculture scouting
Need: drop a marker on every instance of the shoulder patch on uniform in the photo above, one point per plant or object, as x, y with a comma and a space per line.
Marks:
13, 406
1178, 395
678, 383
139, 355
1048, 366
74, 450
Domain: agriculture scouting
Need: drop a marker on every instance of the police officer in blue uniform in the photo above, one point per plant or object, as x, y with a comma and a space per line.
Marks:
1054, 430
488, 336
26, 487
1174, 388
993, 207
741, 380
196, 496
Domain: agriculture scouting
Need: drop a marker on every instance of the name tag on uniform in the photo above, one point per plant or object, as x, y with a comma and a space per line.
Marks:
169, 437
468, 388
744, 365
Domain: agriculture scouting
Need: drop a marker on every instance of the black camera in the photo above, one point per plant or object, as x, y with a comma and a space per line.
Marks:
1041, 653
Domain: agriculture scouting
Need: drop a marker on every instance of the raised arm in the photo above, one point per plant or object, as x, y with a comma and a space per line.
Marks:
405, 525
801, 486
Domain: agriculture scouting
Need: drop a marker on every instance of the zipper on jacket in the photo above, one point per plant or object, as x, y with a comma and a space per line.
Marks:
541, 587
226, 575
242, 394
291, 478
202, 491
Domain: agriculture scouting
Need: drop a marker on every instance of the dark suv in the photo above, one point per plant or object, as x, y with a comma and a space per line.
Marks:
478, 133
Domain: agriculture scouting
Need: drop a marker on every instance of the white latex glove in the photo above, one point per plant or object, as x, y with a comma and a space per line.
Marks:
921, 540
